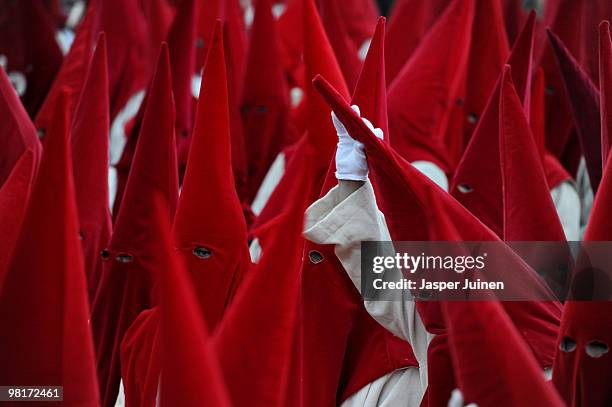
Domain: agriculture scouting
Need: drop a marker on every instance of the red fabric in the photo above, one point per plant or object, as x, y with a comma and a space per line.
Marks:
19, 159
43, 295
555, 173
54, 9
320, 133
345, 49
584, 101
14, 195
408, 24
407, 27
27, 41
73, 70
360, 20
126, 287
515, 17
489, 52
341, 347
129, 47
596, 12
181, 43
191, 373
211, 217
159, 15
269, 322
513, 200
319, 58
563, 17
422, 96
493, 365
291, 35
605, 88
528, 210
371, 90
581, 379
140, 360
90, 162
230, 12
521, 61
18, 134
403, 195
265, 99
130, 64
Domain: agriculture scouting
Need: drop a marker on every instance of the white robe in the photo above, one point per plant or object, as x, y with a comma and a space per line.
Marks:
326, 223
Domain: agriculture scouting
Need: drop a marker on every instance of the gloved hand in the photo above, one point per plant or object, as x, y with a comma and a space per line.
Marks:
351, 163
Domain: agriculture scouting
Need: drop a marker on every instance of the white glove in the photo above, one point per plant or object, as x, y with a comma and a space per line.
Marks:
351, 163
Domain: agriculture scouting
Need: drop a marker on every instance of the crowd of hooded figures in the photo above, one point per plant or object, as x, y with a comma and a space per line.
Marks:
185, 186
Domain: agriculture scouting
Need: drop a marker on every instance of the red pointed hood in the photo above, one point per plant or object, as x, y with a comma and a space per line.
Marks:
90, 162
344, 47
564, 17
371, 91
319, 58
581, 372
521, 61
534, 218
209, 228
492, 363
494, 189
320, 133
406, 28
129, 45
422, 95
73, 70
181, 43
269, 322
605, 88
341, 350
594, 13
515, 17
291, 34
154, 164
19, 161
183, 334
159, 15
49, 289
555, 173
230, 12
31, 54
265, 98
488, 54
18, 133
131, 260
360, 20
584, 100
403, 194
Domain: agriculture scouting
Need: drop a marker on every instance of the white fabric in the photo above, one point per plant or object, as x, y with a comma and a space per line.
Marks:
255, 251
64, 39
345, 223
433, 172
120, 402
456, 400
585, 192
567, 203
269, 183
351, 163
